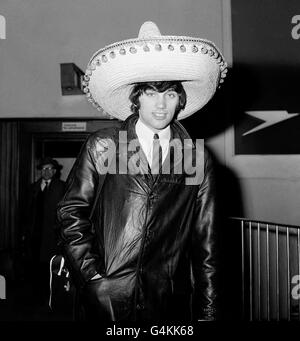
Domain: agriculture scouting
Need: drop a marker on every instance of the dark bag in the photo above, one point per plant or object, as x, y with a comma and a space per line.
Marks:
62, 290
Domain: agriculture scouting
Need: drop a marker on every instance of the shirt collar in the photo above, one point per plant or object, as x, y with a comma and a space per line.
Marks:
46, 181
145, 133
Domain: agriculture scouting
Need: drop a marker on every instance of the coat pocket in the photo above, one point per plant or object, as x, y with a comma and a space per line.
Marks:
108, 298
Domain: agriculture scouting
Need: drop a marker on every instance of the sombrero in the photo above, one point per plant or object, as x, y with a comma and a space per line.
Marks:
113, 70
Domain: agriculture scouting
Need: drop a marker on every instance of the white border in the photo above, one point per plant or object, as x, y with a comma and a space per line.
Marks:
253, 166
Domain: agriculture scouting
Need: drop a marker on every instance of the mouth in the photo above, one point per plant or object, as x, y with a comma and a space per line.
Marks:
160, 115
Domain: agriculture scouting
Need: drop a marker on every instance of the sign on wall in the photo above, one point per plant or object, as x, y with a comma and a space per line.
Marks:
266, 73
2, 27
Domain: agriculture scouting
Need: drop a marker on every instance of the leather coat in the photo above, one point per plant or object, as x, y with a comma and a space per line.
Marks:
151, 237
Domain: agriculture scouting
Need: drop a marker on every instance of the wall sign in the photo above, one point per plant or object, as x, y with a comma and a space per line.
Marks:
266, 73
2, 27
73, 126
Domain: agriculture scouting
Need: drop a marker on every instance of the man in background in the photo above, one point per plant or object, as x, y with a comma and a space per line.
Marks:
40, 235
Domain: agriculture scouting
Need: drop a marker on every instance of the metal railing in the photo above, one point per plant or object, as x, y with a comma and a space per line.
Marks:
270, 270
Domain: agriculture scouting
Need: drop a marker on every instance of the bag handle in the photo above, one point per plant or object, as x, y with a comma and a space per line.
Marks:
62, 263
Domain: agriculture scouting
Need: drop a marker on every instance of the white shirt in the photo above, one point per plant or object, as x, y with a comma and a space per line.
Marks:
43, 183
145, 136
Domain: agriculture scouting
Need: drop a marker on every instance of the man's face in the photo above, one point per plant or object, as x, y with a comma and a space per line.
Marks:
157, 109
48, 171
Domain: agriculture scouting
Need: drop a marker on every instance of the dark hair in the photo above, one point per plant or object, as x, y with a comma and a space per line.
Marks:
140, 88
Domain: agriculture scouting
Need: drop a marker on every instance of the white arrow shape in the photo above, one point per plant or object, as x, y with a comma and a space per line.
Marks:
270, 117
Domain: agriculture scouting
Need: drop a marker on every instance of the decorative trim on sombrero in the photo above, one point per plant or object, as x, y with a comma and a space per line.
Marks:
158, 43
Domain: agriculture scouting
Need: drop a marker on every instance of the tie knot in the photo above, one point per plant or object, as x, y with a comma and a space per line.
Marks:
156, 137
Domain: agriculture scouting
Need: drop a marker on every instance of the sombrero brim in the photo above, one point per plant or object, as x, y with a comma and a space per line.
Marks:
112, 71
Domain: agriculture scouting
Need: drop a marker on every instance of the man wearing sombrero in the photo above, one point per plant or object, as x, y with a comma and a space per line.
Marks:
141, 243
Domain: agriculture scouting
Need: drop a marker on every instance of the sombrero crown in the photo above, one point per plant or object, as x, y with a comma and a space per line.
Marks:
113, 70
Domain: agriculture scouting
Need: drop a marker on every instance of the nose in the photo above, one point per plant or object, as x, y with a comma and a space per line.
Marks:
161, 101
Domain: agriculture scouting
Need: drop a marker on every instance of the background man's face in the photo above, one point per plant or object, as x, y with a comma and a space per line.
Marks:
157, 109
48, 171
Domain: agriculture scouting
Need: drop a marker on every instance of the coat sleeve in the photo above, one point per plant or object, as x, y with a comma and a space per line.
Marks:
74, 216
205, 248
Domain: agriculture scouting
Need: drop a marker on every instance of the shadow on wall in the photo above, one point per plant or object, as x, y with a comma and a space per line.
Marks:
247, 87
229, 204
225, 109
239, 91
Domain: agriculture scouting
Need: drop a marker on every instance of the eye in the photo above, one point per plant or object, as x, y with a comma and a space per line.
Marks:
172, 94
150, 93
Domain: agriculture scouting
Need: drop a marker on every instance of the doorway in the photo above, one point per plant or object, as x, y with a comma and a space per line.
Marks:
47, 138
63, 148
43, 138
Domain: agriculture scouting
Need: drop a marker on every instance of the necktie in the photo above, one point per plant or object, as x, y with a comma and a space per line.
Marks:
156, 155
46, 186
